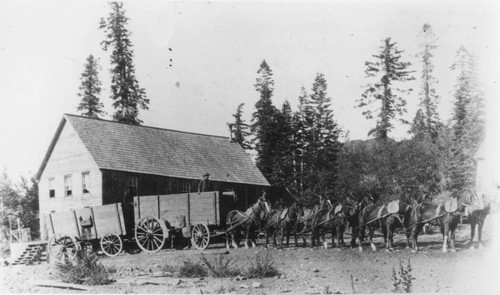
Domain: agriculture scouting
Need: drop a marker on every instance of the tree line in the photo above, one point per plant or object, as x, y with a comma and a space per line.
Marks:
306, 150
303, 151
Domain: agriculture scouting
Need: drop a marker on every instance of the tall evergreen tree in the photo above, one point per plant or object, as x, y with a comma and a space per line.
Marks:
283, 163
264, 121
428, 96
468, 121
299, 143
323, 146
240, 128
127, 95
90, 89
387, 69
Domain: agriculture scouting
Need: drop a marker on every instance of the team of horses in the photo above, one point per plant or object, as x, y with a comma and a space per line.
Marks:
362, 216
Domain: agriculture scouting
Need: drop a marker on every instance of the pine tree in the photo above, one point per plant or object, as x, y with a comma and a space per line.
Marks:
428, 97
419, 127
299, 143
387, 70
264, 121
127, 95
90, 89
323, 147
468, 122
283, 163
240, 128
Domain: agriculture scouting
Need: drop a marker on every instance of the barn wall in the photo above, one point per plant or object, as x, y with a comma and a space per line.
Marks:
69, 157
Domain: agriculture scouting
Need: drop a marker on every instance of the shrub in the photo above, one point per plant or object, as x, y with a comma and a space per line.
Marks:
263, 268
167, 268
84, 269
220, 268
192, 270
402, 280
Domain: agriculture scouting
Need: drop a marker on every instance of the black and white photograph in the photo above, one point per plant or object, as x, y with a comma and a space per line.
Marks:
249, 147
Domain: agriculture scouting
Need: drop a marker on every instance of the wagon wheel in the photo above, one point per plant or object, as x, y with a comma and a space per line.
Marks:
63, 248
200, 236
111, 244
150, 234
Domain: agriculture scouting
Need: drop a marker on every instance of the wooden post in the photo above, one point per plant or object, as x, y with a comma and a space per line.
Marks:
94, 222
117, 216
76, 224
188, 211
158, 206
215, 207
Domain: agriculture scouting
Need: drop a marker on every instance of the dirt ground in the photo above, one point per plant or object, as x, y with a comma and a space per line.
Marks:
303, 271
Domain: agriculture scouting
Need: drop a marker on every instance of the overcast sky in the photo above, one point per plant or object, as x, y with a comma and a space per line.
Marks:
216, 51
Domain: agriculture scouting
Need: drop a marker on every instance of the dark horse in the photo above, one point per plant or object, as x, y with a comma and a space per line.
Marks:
401, 219
305, 221
291, 223
272, 225
328, 220
249, 220
371, 217
446, 215
386, 217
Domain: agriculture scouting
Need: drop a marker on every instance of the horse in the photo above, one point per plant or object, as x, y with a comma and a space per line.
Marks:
477, 217
395, 220
329, 220
446, 215
306, 220
249, 220
488, 197
272, 225
291, 222
371, 217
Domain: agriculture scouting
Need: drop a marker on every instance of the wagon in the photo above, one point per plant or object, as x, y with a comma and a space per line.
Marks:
201, 216
157, 219
86, 228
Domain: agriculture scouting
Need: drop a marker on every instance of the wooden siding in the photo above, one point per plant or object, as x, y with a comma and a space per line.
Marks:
196, 208
69, 157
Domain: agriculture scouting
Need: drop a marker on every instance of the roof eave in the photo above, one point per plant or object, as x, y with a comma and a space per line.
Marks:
50, 149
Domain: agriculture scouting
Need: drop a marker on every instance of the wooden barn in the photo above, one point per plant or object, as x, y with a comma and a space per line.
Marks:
92, 162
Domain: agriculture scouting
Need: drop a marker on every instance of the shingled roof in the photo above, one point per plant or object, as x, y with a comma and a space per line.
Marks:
157, 151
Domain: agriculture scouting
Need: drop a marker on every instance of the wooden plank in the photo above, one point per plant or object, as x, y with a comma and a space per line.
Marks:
197, 208
108, 220
64, 223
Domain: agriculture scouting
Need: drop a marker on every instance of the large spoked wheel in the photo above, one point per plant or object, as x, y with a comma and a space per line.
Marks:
62, 248
200, 236
150, 234
111, 244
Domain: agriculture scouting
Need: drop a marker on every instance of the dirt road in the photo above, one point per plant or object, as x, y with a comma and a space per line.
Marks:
304, 271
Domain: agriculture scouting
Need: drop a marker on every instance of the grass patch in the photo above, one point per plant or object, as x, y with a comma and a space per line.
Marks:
192, 270
84, 269
220, 268
263, 268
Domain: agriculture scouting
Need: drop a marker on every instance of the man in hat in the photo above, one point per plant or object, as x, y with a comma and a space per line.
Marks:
205, 185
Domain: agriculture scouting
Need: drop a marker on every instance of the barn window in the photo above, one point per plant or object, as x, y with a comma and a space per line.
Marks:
52, 190
68, 185
85, 182
185, 187
132, 185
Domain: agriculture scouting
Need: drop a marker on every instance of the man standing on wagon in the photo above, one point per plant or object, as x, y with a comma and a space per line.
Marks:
205, 185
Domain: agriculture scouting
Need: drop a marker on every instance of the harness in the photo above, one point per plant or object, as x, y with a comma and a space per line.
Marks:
247, 217
279, 219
